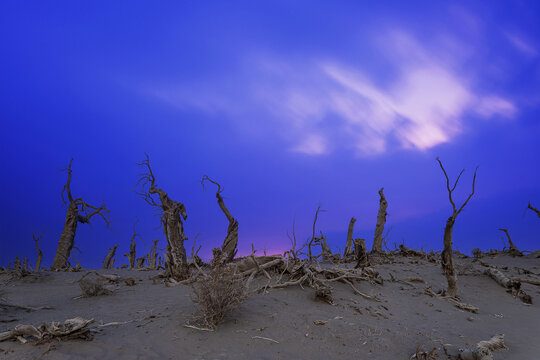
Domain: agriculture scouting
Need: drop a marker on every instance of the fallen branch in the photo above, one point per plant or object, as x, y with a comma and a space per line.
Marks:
29, 308
75, 328
463, 306
484, 349
512, 285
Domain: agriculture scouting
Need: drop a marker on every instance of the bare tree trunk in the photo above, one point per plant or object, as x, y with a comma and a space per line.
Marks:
381, 220
313, 238
446, 255
152, 260
132, 253
349, 246
75, 206
109, 257
140, 262
67, 238
176, 253
326, 252
40, 254
229, 247
173, 227
446, 258
360, 253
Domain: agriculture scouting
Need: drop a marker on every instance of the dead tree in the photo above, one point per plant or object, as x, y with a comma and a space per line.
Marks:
107, 261
40, 254
446, 255
152, 258
381, 220
349, 246
172, 214
314, 240
73, 217
229, 247
360, 253
132, 253
532, 208
513, 250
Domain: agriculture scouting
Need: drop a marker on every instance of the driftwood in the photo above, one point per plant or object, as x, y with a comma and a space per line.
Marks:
446, 255
513, 286
305, 273
463, 306
75, 328
107, 261
484, 349
381, 220
424, 355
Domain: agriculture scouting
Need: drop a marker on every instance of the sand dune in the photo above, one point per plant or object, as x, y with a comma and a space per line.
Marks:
146, 321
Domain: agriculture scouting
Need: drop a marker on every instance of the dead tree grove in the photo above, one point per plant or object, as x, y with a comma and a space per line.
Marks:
446, 255
381, 220
229, 247
73, 217
172, 214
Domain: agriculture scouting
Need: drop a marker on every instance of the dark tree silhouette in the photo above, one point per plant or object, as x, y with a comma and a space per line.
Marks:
446, 255
40, 254
532, 208
512, 250
132, 256
172, 214
229, 247
73, 217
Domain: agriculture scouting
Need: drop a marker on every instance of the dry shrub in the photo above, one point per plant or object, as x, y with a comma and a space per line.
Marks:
217, 294
93, 287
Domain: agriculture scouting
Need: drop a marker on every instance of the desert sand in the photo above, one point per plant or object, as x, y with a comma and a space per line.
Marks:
146, 321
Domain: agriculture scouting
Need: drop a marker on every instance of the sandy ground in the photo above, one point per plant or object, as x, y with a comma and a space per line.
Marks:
355, 328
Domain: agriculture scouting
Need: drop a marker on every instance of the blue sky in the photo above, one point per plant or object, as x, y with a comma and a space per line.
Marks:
287, 105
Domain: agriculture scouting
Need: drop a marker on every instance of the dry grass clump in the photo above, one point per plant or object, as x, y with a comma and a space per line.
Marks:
93, 284
217, 294
93, 287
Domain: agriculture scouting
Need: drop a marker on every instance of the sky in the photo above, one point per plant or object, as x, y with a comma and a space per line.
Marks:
288, 105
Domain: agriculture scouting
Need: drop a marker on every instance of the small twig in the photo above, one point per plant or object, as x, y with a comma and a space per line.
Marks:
265, 338
197, 328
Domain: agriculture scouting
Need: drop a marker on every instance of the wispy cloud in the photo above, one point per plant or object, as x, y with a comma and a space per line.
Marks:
317, 105
521, 44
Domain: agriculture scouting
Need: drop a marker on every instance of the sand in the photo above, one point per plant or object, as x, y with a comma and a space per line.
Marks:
284, 323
